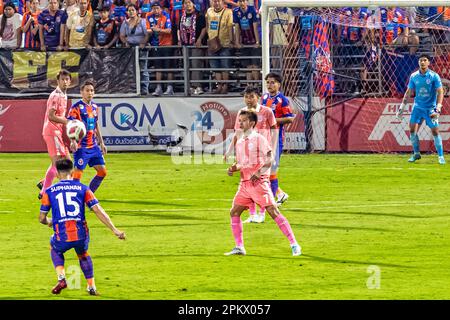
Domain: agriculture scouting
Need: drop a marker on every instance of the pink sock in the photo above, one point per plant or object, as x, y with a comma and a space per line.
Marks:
252, 209
236, 228
49, 176
285, 227
262, 211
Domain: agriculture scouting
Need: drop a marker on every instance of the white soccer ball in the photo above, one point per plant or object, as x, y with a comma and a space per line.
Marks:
76, 129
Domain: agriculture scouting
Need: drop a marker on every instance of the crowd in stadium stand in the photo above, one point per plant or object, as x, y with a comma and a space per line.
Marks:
162, 24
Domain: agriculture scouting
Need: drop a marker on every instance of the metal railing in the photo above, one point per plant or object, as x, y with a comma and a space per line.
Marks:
183, 69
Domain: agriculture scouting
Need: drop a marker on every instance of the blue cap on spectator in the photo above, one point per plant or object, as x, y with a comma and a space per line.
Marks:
155, 3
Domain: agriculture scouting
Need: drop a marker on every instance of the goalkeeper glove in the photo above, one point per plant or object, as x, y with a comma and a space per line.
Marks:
399, 113
436, 111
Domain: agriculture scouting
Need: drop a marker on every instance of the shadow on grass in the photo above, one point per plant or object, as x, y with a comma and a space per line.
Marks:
146, 202
366, 263
159, 225
144, 214
318, 226
366, 213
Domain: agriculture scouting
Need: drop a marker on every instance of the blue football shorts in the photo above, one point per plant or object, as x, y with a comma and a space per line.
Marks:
92, 157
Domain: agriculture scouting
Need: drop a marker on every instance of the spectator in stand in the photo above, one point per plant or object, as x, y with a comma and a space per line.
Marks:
370, 62
71, 7
21, 5
30, 26
133, 33
219, 23
79, 27
159, 27
105, 3
106, 31
445, 15
231, 4
281, 23
52, 26
246, 27
119, 11
145, 7
175, 10
43, 4
137, 4
192, 32
201, 5
1, 6
10, 22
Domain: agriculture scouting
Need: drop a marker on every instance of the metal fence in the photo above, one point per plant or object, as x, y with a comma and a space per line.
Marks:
190, 69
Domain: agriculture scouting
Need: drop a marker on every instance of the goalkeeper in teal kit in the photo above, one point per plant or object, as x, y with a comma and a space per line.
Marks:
429, 94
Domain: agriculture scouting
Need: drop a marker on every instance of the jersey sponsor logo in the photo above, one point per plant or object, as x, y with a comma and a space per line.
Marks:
125, 116
211, 122
388, 123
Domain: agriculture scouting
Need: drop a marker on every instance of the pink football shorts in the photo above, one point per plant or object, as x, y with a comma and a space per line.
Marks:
258, 192
56, 146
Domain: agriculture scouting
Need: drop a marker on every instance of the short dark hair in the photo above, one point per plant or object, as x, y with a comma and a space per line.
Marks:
251, 89
132, 5
273, 75
64, 165
424, 55
63, 72
251, 115
87, 83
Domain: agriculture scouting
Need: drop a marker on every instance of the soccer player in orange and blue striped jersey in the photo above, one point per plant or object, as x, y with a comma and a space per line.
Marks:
88, 151
67, 199
284, 115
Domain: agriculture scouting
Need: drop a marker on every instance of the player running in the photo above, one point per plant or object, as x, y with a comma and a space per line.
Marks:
66, 199
427, 106
279, 104
52, 131
87, 151
266, 126
253, 160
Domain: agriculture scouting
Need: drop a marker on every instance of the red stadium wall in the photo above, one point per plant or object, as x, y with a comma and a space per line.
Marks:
21, 125
375, 128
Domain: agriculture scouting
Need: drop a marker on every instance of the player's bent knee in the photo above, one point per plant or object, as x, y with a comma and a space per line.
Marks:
77, 174
101, 172
83, 255
272, 211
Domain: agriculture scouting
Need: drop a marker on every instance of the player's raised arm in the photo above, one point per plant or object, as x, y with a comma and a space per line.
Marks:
106, 220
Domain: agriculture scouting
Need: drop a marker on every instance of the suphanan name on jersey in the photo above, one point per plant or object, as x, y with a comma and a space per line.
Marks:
65, 188
388, 122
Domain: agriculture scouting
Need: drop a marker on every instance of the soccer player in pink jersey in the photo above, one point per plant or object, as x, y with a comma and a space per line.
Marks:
52, 132
266, 126
253, 160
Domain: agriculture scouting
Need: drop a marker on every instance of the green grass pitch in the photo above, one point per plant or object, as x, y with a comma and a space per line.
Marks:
371, 227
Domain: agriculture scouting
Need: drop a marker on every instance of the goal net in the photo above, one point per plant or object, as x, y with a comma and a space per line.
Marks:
345, 69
